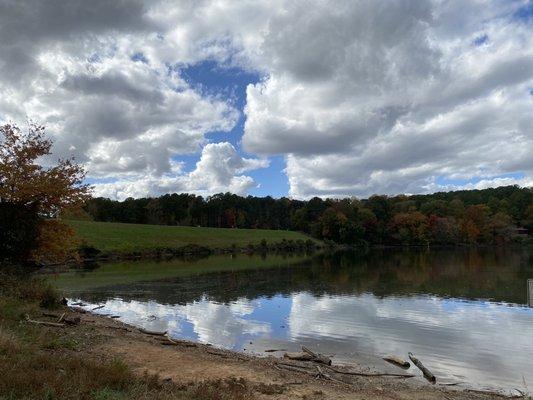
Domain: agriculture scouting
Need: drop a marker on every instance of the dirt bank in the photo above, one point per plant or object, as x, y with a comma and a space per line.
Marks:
186, 363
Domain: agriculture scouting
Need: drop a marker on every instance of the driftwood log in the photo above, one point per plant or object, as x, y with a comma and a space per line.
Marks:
168, 341
62, 319
308, 355
298, 356
45, 323
427, 373
153, 333
399, 362
319, 358
310, 371
370, 374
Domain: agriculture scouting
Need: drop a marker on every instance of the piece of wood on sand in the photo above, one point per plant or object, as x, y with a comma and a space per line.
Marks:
319, 358
298, 356
398, 361
153, 333
427, 373
168, 341
45, 323
307, 355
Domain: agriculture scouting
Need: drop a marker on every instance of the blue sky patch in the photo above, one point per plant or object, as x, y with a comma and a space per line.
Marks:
481, 40
139, 57
211, 78
273, 181
525, 13
443, 181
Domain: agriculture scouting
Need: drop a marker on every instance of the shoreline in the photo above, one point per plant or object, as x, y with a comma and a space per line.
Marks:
92, 255
154, 354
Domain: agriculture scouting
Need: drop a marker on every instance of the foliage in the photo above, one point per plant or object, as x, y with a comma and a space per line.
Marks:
35, 191
56, 241
474, 216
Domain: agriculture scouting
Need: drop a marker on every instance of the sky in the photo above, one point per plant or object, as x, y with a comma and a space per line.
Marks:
273, 97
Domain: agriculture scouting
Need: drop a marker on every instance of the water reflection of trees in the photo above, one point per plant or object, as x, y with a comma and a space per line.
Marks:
499, 275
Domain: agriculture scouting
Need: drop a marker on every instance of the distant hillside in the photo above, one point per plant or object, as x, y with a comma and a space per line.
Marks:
468, 216
120, 237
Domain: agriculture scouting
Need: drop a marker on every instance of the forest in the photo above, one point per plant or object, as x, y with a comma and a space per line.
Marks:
489, 216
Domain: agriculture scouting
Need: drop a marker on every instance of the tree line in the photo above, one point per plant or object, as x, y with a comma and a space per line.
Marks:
489, 216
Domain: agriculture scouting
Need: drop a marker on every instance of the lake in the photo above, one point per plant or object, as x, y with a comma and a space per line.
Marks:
464, 313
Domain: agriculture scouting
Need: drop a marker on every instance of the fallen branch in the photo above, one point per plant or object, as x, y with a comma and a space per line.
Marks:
227, 355
98, 307
298, 356
46, 323
274, 350
319, 358
399, 362
171, 342
322, 374
427, 373
294, 368
62, 318
178, 344
370, 374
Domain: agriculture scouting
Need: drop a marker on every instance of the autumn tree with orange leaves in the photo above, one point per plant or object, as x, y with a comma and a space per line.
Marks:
33, 196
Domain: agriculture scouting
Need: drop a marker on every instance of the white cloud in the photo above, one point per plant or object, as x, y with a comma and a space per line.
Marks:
371, 98
219, 170
360, 97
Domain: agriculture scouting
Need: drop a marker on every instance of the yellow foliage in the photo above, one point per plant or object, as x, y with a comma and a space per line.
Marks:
56, 242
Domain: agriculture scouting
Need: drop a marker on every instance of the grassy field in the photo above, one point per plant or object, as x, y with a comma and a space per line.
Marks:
109, 236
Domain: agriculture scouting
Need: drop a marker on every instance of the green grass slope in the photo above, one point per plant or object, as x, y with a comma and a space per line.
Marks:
110, 236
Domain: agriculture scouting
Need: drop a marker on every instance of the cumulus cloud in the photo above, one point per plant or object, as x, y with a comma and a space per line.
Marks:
79, 69
368, 97
360, 97
220, 169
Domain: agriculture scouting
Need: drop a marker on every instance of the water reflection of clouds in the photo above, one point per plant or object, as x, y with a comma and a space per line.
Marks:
223, 325
219, 324
476, 341
482, 341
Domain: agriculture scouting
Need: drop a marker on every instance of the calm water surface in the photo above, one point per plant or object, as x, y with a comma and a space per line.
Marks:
464, 313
